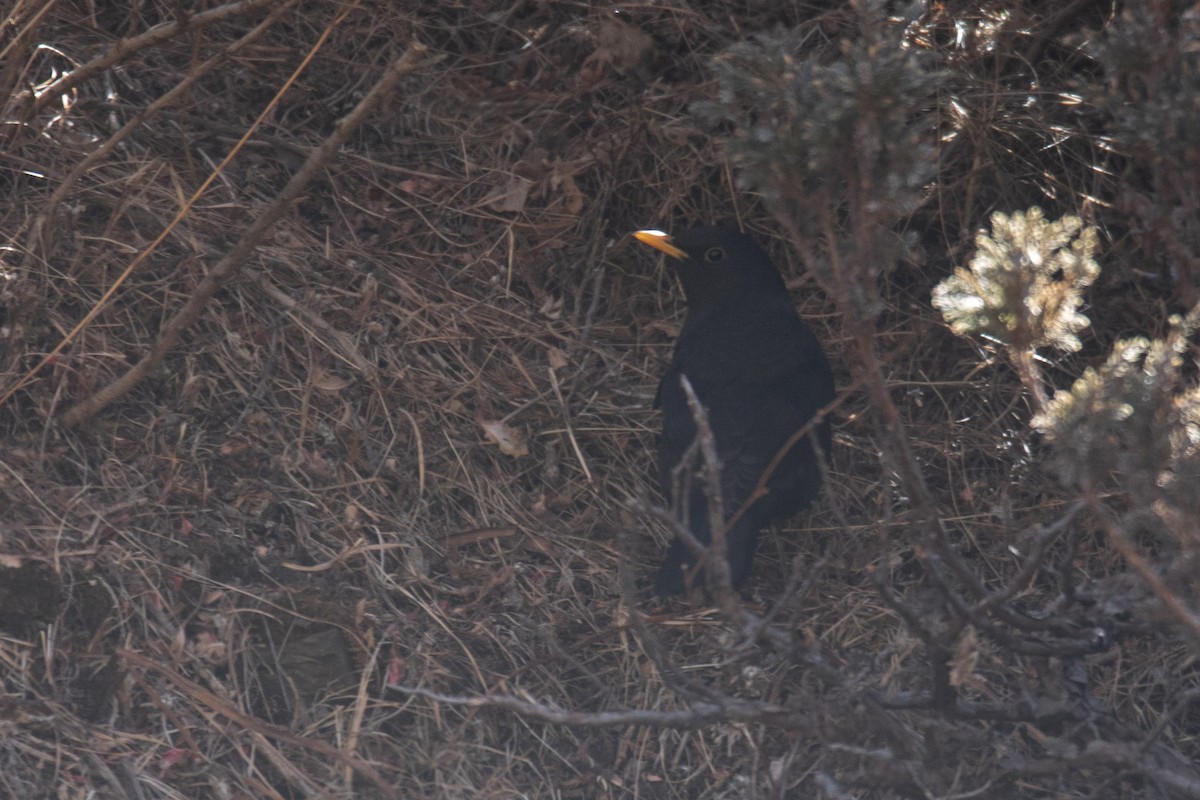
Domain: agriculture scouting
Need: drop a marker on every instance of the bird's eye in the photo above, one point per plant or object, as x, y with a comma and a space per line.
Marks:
714, 255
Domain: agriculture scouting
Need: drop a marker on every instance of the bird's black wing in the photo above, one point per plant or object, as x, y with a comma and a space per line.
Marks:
759, 384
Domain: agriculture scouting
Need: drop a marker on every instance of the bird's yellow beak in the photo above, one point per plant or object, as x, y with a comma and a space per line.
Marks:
660, 241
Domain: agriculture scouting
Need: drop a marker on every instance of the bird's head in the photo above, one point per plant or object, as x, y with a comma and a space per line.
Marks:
716, 262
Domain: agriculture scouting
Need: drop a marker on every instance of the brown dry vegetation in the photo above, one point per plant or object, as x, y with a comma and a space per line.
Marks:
363, 531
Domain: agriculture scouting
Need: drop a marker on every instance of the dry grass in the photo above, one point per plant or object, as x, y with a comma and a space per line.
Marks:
212, 587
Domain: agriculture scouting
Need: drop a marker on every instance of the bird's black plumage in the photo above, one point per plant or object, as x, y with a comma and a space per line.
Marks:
761, 374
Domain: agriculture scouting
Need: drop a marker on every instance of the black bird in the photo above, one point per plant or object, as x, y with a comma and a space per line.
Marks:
761, 374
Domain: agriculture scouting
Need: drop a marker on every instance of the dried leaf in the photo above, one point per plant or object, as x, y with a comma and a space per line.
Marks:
551, 307
327, 382
618, 45
965, 659
512, 196
510, 440
562, 180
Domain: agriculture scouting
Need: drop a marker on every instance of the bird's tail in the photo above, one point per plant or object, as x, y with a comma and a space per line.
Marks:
679, 563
